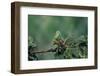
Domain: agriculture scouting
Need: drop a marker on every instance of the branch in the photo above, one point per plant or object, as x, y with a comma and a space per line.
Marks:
50, 50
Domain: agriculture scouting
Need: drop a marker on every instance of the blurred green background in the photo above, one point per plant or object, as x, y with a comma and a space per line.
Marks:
42, 29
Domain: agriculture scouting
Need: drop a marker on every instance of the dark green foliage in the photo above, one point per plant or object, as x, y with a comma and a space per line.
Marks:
68, 48
31, 48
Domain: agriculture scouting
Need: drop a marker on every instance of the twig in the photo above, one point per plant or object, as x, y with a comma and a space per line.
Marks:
50, 50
